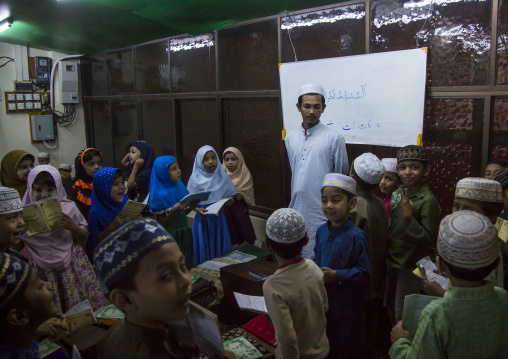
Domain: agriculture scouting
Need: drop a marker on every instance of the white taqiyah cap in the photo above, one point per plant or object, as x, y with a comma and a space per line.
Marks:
341, 181
285, 225
479, 189
312, 88
390, 164
467, 240
65, 166
43, 155
369, 168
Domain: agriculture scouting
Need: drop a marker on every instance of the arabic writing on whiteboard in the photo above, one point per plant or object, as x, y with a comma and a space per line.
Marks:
345, 95
348, 126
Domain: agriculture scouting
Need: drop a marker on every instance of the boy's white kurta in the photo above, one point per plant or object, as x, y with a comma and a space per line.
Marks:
311, 157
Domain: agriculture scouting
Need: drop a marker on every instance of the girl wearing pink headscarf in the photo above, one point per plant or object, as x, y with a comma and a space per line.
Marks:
58, 255
237, 215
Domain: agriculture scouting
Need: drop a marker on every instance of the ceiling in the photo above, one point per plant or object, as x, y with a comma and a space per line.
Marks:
91, 26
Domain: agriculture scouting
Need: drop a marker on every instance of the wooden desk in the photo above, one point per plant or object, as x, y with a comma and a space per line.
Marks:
236, 278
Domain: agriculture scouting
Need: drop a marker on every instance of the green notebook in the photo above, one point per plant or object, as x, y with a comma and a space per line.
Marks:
242, 348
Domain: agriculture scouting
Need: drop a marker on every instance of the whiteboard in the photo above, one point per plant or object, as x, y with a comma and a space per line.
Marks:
373, 99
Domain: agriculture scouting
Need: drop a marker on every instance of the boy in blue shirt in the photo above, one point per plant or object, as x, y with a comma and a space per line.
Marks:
342, 252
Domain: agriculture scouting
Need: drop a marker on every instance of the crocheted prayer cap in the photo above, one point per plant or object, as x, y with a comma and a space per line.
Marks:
126, 246
9, 201
479, 189
390, 164
467, 240
65, 166
312, 88
412, 153
340, 181
43, 155
369, 168
14, 277
502, 177
285, 225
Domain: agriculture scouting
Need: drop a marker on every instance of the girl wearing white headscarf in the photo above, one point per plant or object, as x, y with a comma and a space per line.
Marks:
237, 215
210, 234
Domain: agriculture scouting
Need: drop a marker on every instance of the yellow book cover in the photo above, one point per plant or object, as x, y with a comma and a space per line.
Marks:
42, 216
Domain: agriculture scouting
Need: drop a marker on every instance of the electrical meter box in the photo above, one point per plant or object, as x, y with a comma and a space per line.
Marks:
69, 84
42, 68
42, 127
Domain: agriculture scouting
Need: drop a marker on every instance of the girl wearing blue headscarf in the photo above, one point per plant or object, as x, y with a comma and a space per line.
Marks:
166, 192
108, 200
139, 161
210, 233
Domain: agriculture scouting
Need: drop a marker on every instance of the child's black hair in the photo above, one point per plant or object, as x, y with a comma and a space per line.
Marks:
229, 153
491, 209
471, 275
287, 250
44, 178
361, 183
300, 98
118, 174
348, 194
91, 154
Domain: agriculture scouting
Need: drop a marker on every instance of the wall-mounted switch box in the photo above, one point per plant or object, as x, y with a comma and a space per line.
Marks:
42, 68
69, 84
42, 127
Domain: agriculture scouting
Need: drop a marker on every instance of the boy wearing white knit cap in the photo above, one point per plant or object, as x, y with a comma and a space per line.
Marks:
389, 183
370, 215
44, 158
342, 252
295, 294
471, 321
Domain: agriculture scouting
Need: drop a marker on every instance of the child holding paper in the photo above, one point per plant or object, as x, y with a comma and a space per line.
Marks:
145, 272
237, 215
210, 233
108, 200
471, 321
58, 255
166, 192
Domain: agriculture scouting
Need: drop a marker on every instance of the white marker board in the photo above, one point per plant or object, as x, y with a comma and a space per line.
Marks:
373, 99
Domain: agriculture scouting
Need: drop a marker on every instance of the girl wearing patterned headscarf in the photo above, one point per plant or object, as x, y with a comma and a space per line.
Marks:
16, 165
58, 255
166, 192
139, 163
237, 215
87, 163
108, 200
210, 233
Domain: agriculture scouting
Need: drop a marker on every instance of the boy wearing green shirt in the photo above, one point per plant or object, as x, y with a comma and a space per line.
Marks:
413, 223
471, 321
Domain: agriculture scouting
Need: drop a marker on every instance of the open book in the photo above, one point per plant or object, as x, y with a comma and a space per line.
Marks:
215, 207
133, 209
42, 216
502, 229
200, 328
201, 196
251, 302
76, 322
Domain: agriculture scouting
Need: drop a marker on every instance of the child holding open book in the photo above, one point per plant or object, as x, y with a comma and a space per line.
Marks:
211, 235
58, 255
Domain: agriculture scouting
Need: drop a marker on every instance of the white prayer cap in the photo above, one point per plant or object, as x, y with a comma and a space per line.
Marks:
285, 225
312, 88
479, 189
65, 166
340, 181
390, 164
43, 155
369, 168
467, 240
9, 201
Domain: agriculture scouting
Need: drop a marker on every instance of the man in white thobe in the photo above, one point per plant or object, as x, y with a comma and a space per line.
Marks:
313, 150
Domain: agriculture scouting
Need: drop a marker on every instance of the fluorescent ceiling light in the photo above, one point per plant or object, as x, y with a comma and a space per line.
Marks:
7, 23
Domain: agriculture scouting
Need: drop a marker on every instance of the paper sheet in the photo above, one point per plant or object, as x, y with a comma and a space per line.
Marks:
240, 257
413, 307
251, 302
242, 348
84, 305
214, 209
213, 265
429, 267
201, 196
502, 229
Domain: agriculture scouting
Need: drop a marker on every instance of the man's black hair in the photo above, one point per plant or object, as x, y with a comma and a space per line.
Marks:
300, 98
